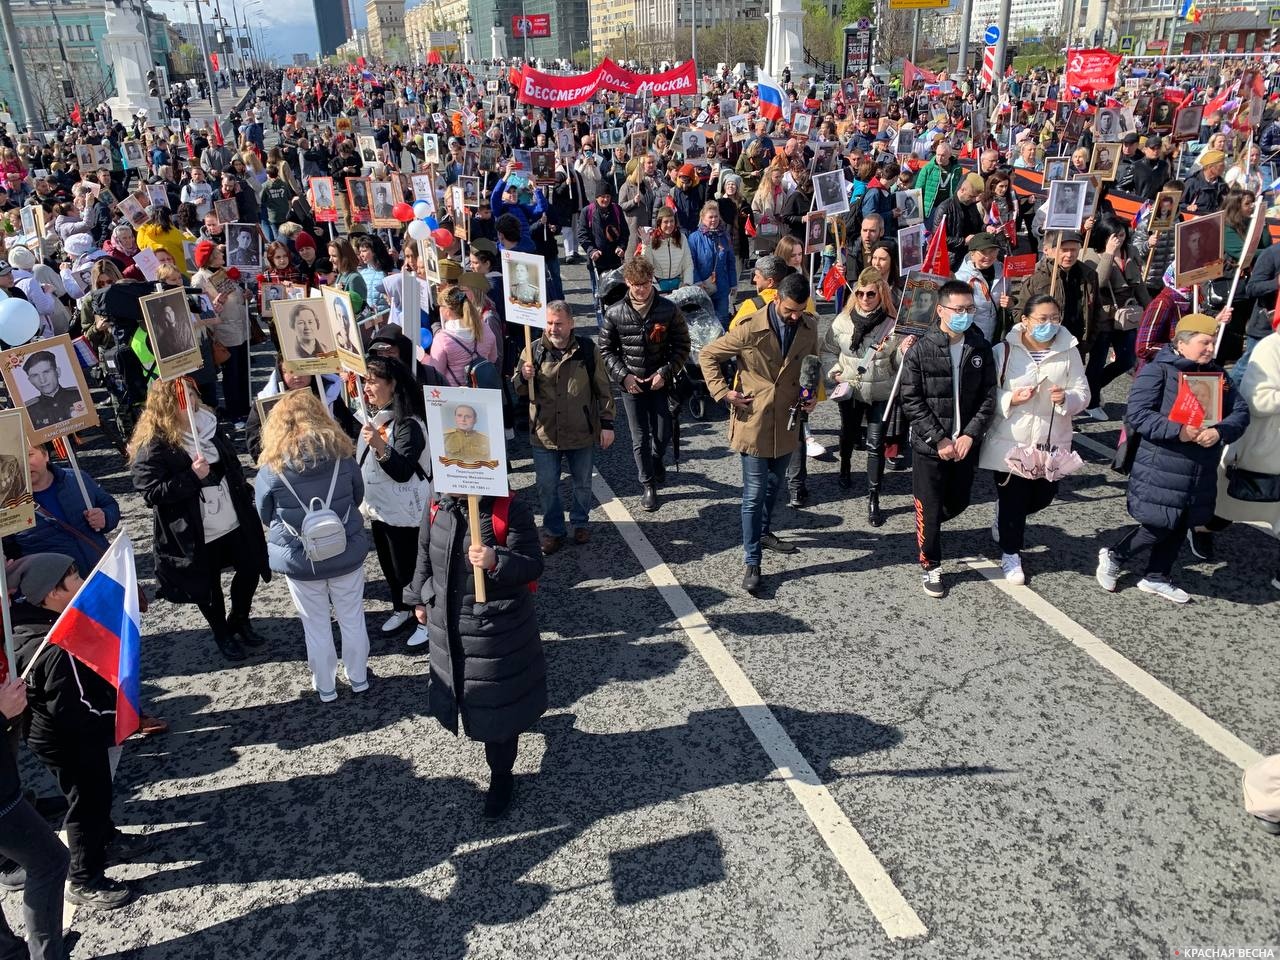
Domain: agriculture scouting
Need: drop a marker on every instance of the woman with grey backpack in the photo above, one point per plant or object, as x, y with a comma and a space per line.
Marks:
309, 492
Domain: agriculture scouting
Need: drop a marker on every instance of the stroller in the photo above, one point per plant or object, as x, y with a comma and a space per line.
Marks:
704, 326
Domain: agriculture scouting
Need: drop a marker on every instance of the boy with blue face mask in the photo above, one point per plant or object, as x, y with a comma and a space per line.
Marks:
949, 398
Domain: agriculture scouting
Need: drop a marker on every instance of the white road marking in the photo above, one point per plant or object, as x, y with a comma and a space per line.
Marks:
1183, 711
862, 867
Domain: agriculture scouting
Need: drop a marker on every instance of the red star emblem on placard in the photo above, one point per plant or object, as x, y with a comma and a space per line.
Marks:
435, 394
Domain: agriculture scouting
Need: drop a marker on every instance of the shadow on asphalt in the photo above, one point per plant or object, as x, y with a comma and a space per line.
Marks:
375, 819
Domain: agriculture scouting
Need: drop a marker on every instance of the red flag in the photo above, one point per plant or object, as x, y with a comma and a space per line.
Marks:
217, 134
514, 76
191, 147
319, 91
213, 58
910, 73
936, 259
75, 114
1187, 408
833, 281
1219, 101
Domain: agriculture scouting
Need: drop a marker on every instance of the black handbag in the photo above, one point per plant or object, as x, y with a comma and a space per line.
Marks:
1252, 486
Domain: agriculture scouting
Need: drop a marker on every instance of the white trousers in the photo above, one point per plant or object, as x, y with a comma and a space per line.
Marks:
312, 599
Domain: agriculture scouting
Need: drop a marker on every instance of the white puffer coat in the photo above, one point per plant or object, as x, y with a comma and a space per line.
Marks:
1259, 448
1027, 424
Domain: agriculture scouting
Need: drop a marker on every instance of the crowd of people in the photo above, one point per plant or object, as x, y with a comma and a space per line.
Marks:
988, 371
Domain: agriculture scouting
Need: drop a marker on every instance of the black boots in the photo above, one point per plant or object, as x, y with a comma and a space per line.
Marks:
845, 480
502, 786
649, 498
229, 646
242, 629
751, 579
875, 516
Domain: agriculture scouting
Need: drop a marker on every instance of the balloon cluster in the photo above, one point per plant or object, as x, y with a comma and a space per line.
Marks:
421, 224
19, 321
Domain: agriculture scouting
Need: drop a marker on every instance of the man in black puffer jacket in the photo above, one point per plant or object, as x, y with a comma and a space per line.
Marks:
644, 343
949, 398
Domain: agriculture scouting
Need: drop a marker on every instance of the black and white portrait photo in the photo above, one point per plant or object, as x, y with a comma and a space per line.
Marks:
46, 380
1055, 168
909, 207
172, 336
1186, 123
830, 192
694, 144
303, 327
1106, 157
1066, 204
383, 199
322, 193
1197, 247
226, 210
244, 246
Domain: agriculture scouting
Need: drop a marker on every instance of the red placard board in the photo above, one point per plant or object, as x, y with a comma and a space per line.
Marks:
531, 25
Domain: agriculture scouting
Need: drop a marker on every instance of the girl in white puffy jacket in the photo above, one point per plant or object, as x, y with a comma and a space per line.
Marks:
1040, 387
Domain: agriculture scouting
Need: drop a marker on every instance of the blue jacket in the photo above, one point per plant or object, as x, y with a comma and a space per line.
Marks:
50, 536
714, 253
277, 506
526, 213
1170, 476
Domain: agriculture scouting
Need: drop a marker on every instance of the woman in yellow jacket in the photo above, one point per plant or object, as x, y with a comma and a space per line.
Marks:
159, 233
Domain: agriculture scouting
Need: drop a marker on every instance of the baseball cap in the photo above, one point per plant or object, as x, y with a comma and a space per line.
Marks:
1153, 142
1130, 139
485, 245
1197, 323
982, 241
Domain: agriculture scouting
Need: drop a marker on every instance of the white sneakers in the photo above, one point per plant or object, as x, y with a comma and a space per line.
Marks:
396, 621
933, 583
813, 448
419, 637
1163, 588
1011, 564
1108, 571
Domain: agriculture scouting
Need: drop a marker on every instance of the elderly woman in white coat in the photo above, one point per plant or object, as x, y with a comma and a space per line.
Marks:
1259, 449
1041, 385
985, 275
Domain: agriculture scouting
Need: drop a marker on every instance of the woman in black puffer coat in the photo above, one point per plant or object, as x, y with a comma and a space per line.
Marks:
486, 660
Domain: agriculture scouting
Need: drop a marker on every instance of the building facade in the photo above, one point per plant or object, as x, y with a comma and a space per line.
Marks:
333, 23
64, 57
386, 29
613, 28
472, 22
658, 22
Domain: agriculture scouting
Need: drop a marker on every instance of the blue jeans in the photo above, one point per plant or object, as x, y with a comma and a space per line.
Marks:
546, 468
1238, 368
762, 478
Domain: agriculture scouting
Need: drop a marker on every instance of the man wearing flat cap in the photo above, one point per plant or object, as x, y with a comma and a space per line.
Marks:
1205, 189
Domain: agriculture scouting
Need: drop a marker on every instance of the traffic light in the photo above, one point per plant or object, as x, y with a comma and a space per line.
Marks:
153, 84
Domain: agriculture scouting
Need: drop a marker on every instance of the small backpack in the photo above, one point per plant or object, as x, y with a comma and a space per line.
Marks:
501, 507
479, 371
322, 533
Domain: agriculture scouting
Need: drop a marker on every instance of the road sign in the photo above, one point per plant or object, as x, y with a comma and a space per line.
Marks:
863, 23
1126, 43
992, 36
858, 44
987, 78
1273, 16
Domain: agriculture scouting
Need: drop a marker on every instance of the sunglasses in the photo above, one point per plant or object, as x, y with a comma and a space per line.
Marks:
866, 294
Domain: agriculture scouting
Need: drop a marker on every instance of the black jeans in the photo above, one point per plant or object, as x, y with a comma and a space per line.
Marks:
28, 841
501, 756
876, 430
230, 551
83, 772
851, 433
649, 419
1019, 498
1098, 372
1164, 544
398, 556
235, 382
941, 489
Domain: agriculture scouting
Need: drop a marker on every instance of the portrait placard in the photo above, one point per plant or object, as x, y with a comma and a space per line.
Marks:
1105, 160
1186, 122
815, 231
1197, 249
46, 381
430, 148
17, 505
524, 287
918, 314
358, 199
244, 247
266, 404
830, 192
227, 211
346, 337
323, 202
383, 200
911, 247
470, 191
466, 440
172, 335
304, 328
1164, 212
1066, 204
909, 206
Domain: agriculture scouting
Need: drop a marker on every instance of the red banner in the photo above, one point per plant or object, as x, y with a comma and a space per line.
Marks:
1092, 71
549, 90
531, 25
213, 59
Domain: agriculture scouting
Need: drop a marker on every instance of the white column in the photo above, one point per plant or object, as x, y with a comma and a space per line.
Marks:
126, 49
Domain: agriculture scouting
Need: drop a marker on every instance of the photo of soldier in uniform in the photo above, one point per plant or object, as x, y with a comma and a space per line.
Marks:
463, 442
244, 246
50, 393
171, 333
17, 506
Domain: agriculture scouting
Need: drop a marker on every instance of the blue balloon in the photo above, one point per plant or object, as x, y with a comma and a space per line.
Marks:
424, 332
431, 222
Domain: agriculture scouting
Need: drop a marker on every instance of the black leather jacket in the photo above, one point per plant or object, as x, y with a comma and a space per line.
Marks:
628, 345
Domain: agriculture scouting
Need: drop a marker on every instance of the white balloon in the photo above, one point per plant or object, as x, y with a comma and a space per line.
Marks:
419, 230
19, 320
421, 210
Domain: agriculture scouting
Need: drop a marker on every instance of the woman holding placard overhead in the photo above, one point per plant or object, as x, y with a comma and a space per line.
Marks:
204, 520
395, 465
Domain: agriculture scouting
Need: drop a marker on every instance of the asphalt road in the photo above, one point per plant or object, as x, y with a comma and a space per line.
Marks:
962, 778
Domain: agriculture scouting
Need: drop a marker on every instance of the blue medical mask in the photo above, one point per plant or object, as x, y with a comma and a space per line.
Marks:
1044, 332
960, 322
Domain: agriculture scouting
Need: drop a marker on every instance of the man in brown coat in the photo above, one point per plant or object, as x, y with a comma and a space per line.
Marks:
769, 347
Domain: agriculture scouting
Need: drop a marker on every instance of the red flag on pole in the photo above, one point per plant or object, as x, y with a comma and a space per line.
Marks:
191, 146
936, 259
213, 59
75, 114
217, 134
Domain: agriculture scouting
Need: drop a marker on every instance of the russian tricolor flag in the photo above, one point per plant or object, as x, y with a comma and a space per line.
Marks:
102, 628
775, 105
